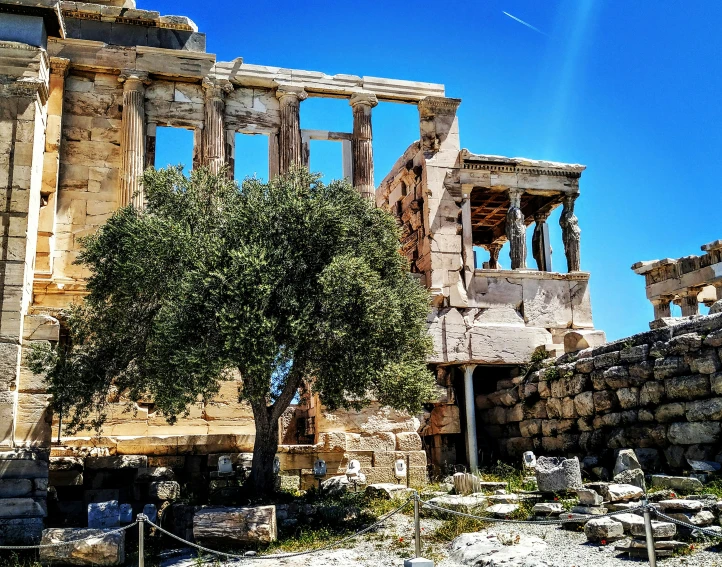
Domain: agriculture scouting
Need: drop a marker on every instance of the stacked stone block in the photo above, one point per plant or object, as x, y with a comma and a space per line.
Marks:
660, 390
23, 496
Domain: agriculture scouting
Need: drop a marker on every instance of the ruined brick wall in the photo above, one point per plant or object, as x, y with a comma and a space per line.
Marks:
660, 390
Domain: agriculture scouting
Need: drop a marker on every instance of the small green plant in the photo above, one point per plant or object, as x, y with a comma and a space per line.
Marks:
452, 528
14, 559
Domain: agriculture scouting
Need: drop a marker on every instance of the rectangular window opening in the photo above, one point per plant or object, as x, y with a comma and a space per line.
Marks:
251, 156
173, 146
326, 158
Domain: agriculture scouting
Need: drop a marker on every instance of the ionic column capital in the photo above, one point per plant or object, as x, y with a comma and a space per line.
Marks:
363, 99
59, 66
133, 79
216, 88
290, 94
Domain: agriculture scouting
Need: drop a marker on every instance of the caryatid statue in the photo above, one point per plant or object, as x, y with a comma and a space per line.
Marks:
516, 231
571, 233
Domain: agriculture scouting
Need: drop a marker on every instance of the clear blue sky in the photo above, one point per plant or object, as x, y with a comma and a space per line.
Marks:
630, 89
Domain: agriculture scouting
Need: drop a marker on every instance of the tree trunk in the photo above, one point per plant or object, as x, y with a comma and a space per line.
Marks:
262, 480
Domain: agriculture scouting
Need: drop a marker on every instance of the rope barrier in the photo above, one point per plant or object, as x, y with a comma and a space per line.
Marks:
690, 526
62, 543
380, 521
534, 522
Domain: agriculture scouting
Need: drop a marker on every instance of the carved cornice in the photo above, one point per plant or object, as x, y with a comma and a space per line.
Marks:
25, 88
503, 168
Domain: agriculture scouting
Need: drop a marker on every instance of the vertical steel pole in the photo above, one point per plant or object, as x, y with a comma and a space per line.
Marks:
650, 537
417, 524
141, 542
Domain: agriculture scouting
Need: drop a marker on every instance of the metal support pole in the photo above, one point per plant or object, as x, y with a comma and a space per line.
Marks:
650, 537
417, 524
141, 546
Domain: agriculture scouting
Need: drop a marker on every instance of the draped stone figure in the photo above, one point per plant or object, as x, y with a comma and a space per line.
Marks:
571, 233
538, 244
516, 231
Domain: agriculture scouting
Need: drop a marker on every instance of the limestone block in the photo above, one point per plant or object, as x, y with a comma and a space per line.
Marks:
634, 477
554, 408
687, 387
515, 414
41, 328
707, 362
634, 354
547, 508
607, 529
692, 433
684, 343
628, 397
91, 547
670, 366
680, 505
465, 483
372, 419
15, 487
388, 491
377, 475
530, 427
606, 360
704, 410
659, 529
547, 303
589, 497
584, 404
103, 515
154, 474
444, 420
558, 474
66, 478
642, 370
669, 412
32, 422
22, 468
408, 441
117, 462
372, 442
626, 460
509, 345
623, 492
21, 508
651, 393
683, 484
616, 377
332, 442
716, 383
604, 401
21, 531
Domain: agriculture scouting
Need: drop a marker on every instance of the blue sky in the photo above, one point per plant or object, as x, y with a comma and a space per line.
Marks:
630, 89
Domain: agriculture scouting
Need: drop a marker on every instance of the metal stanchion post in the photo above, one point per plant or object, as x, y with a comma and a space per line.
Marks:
650, 537
417, 525
141, 542
417, 561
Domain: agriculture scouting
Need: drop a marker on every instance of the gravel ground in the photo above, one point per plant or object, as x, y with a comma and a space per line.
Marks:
388, 546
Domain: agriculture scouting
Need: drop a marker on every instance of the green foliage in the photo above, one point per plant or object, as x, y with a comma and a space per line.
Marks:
280, 282
14, 559
455, 526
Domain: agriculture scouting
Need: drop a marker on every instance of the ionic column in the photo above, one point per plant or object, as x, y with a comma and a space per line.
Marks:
469, 405
516, 230
687, 300
540, 243
467, 236
289, 135
362, 151
494, 250
214, 130
132, 140
571, 233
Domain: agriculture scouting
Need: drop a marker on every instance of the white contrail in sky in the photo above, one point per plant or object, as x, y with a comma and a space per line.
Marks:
522, 22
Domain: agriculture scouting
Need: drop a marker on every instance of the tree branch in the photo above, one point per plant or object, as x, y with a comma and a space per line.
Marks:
288, 393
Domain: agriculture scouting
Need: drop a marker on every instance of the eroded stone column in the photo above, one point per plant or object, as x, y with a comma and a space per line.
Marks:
214, 130
571, 233
494, 250
661, 307
467, 233
540, 243
516, 230
132, 141
361, 143
470, 407
688, 301
289, 135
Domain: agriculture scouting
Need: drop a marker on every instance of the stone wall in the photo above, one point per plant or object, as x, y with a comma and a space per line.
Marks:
660, 390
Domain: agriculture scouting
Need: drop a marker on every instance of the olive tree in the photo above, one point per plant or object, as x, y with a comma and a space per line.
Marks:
288, 281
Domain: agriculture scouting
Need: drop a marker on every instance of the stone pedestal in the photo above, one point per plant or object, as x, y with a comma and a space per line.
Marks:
132, 138
289, 135
361, 143
214, 131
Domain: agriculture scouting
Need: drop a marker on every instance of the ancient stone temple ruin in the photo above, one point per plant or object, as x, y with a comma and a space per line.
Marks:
84, 88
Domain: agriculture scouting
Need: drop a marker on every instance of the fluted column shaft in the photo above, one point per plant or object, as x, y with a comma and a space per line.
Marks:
214, 130
540, 244
516, 230
662, 307
289, 135
132, 140
688, 301
571, 233
361, 144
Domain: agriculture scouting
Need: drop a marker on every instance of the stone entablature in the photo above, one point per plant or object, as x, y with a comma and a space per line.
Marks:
687, 281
